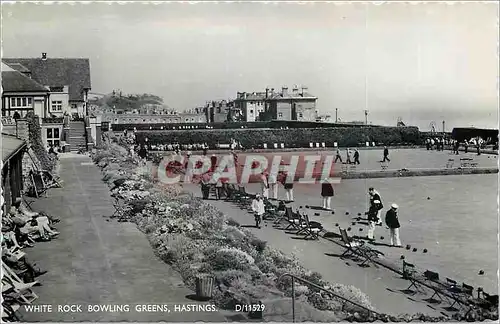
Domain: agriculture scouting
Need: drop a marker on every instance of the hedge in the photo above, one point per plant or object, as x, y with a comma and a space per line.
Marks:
294, 137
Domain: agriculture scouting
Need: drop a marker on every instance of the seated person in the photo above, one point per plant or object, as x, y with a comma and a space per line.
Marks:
28, 270
31, 225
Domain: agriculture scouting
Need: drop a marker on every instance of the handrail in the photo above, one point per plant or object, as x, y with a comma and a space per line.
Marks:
294, 277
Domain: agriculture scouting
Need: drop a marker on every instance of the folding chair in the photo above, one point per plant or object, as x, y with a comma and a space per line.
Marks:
457, 293
434, 284
409, 273
384, 165
21, 290
312, 229
120, 207
294, 220
39, 187
487, 301
357, 248
50, 180
287, 215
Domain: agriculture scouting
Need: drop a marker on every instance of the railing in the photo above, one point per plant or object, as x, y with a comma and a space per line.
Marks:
54, 120
320, 288
8, 121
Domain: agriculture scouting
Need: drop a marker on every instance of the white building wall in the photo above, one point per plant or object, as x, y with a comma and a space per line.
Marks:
63, 98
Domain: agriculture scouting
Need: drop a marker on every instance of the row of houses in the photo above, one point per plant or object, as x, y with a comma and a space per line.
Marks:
54, 89
295, 104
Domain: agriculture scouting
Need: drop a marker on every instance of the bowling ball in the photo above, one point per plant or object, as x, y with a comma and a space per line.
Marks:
333, 213
414, 249
337, 224
425, 250
402, 257
381, 237
347, 213
428, 198
316, 214
301, 207
361, 230
307, 206
481, 272
359, 214
408, 246
353, 223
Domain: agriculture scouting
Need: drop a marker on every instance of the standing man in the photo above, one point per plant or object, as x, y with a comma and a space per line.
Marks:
258, 209
287, 185
386, 154
273, 186
375, 196
373, 218
466, 146
356, 156
264, 185
392, 221
338, 156
348, 161
327, 193
205, 185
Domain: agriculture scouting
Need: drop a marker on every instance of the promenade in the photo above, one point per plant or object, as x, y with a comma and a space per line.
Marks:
100, 262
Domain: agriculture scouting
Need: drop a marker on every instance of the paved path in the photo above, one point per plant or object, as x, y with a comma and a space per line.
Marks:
375, 282
96, 262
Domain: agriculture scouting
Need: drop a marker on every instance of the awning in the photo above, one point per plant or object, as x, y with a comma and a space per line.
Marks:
10, 146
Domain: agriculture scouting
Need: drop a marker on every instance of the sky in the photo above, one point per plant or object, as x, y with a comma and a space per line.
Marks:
423, 63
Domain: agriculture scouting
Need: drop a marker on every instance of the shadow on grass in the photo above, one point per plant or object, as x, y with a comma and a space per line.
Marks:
248, 226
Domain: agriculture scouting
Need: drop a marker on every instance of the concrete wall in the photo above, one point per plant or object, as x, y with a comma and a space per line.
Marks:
19, 129
307, 108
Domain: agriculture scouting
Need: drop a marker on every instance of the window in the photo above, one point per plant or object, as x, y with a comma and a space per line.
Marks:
251, 111
300, 115
73, 106
280, 114
53, 136
56, 105
21, 102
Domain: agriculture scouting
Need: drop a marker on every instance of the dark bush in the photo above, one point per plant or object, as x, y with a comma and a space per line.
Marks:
293, 137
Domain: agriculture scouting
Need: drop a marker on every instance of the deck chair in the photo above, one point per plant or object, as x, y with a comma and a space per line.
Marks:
358, 249
409, 273
50, 180
22, 290
39, 187
432, 280
487, 301
311, 229
286, 215
9, 309
457, 293
120, 207
294, 220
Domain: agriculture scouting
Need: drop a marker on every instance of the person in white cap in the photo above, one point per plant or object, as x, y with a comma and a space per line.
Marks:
392, 221
327, 193
258, 209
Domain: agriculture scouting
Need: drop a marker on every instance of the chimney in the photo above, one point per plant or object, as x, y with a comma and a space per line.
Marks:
44, 56
284, 91
272, 91
267, 93
303, 88
295, 89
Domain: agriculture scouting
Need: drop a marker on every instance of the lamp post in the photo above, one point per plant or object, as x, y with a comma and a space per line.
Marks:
366, 117
336, 115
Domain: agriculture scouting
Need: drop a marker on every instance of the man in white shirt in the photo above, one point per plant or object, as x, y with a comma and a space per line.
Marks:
258, 209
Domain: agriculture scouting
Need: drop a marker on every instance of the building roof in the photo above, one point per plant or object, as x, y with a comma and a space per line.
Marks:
13, 81
19, 67
57, 72
292, 95
10, 146
251, 96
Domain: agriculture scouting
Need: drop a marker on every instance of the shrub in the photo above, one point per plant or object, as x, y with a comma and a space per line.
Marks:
293, 137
